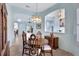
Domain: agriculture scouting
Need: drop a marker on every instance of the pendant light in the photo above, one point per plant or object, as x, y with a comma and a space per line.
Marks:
36, 18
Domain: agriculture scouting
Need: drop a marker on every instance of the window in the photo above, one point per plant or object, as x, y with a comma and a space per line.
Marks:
15, 26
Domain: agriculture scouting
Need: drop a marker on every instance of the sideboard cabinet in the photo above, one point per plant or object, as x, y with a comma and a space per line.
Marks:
53, 42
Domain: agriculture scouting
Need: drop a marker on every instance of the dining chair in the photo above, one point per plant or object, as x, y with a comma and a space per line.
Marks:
46, 48
26, 47
38, 42
32, 44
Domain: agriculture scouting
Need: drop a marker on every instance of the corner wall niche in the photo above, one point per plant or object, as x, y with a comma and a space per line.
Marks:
55, 21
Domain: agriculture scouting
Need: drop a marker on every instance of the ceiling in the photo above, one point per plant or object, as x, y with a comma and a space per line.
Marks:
32, 6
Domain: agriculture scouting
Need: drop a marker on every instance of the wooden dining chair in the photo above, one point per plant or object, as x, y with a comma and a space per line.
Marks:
32, 44
26, 47
38, 42
46, 48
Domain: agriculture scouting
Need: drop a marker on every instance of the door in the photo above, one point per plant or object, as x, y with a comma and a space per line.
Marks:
0, 27
4, 25
3, 29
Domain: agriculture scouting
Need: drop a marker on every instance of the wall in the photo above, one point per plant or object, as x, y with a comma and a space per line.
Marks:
12, 11
15, 13
67, 41
76, 52
9, 25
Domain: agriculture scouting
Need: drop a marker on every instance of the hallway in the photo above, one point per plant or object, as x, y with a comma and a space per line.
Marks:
16, 48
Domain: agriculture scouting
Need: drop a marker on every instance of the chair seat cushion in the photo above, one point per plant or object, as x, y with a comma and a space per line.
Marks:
26, 46
46, 47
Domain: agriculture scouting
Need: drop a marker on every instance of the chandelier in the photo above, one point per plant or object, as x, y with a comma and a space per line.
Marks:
36, 18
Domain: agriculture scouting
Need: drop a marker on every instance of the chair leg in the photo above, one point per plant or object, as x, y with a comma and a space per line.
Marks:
37, 52
51, 53
29, 52
23, 52
44, 53
40, 53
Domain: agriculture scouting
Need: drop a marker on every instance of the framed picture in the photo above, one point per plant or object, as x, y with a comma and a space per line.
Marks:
38, 26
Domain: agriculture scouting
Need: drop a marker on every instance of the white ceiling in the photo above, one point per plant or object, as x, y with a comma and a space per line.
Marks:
32, 6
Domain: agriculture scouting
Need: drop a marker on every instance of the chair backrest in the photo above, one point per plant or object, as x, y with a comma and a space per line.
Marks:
32, 39
24, 37
28, 36
39, 35
38, 39
45, 41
